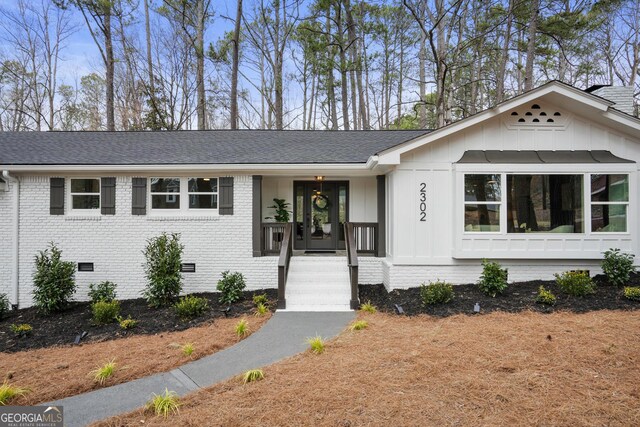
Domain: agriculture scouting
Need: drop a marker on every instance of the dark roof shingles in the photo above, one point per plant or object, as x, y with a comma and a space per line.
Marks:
196, 147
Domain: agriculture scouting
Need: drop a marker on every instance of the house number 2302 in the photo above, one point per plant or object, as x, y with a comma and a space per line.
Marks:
423, 202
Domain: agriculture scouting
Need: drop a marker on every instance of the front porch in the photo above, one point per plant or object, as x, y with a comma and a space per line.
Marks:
335, 219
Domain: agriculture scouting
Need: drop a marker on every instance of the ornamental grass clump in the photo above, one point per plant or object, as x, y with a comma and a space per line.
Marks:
102, 373
103, 291
165, 404
191, 306
316, 344
231, 286
493, 280
253, 375
53, 281
163, 256
575, 283
618, 266
632, 293
545, 296
22, 330
188, 349
359, 325
105, 312
438, 292
242, 328
367, 307
9, 392
261, 310
261, 299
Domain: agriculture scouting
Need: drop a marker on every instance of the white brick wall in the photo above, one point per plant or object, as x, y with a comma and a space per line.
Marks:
115, 242
370, 270
5, 241
407, 276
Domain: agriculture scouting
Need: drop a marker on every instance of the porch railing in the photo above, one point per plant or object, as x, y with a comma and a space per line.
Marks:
286, 249
365, 236
272, 237
352, 263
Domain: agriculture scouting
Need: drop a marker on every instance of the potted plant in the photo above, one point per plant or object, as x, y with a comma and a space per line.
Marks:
281, 214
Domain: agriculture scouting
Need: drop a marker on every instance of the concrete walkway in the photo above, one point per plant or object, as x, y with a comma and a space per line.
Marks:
282, 336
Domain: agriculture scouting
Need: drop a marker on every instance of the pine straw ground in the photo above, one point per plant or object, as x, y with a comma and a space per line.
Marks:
57, 372
496, 369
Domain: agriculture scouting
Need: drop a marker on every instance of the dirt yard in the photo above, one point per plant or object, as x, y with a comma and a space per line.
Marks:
560, 369
56, 372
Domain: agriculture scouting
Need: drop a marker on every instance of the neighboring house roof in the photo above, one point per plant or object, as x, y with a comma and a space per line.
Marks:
197, 147
600, 110
529, 157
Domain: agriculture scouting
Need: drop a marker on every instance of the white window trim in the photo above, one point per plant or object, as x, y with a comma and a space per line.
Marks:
83, 212
184, 193
585, 245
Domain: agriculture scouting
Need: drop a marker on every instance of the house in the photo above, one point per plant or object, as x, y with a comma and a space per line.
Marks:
544, 182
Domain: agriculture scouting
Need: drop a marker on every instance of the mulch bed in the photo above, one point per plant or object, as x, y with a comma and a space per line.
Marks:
518, 297
62, 328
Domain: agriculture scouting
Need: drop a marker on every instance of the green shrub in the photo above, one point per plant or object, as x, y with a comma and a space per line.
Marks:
163, 259
545, 296
617, 266
231, 286
437, 292
253, 375
367, 307
261, 299
632, 293
53, 281
22, 330
4, 305
105, 312
103, 291
9, 392
127, 323
576, 283
493, 280
191, 306
164, 404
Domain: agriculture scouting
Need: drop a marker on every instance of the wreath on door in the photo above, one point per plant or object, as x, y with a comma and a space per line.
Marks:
321, 202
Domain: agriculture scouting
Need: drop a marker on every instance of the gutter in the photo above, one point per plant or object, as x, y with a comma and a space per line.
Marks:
14, 241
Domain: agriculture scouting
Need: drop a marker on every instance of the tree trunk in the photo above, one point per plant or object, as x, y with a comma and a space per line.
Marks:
234, 70
331, 94
504, 56
110, 65
343, 68
531, 45
199, 48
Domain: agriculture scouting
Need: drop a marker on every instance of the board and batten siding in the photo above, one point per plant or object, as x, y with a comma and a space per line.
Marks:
114, 243
436, 241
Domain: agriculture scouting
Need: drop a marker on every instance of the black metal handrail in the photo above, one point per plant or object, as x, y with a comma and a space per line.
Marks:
352, 263
284, 260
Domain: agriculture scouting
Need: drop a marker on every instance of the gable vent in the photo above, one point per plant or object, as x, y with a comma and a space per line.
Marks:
536, 115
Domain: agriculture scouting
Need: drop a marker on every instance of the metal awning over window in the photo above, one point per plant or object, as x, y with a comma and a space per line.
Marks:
540, 157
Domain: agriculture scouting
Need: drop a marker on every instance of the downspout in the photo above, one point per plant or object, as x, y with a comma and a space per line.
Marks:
14, 241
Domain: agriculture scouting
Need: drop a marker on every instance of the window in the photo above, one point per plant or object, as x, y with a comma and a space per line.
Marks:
85, 193
182, 195
545, 203
609, 203
203, 193
165, 193
482, 199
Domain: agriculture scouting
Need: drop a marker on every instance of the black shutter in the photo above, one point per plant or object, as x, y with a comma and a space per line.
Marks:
226, 196
108, 196
139, 196
56, 198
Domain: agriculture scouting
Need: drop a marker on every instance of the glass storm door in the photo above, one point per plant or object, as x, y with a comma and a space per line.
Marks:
320, 212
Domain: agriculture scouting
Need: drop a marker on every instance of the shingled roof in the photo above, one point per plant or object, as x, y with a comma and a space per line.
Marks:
196, 147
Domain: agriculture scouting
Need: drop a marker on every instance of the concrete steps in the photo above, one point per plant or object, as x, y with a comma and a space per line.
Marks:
318, 284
